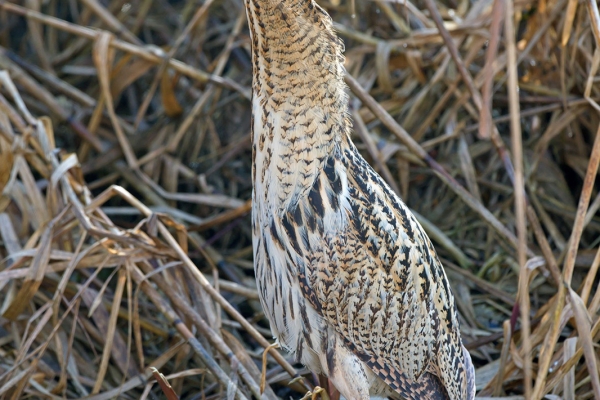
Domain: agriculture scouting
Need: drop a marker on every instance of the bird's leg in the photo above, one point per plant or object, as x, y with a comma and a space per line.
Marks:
345, 371
325, 382
263, 375
334, 394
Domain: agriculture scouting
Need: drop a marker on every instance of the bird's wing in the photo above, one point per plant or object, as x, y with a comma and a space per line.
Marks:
367, 267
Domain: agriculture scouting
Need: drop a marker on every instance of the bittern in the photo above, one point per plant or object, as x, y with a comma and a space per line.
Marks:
348, 279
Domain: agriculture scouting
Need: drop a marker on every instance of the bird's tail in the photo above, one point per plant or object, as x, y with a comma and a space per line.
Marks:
470, 370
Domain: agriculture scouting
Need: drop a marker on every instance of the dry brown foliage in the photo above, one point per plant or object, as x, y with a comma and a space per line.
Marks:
125, 248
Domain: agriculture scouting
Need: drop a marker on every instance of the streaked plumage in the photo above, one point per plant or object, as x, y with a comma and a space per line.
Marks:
348, 278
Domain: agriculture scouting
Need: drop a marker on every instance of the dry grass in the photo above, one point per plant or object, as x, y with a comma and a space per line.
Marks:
125, 246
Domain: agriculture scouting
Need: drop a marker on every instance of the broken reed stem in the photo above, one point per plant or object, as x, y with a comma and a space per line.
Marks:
174, 318
584, 200
485, 120
519, 190
205, 329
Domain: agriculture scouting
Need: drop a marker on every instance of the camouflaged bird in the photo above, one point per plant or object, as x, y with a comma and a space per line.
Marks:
347, 277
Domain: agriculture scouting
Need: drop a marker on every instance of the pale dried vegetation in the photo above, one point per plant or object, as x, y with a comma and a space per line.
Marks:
125, 244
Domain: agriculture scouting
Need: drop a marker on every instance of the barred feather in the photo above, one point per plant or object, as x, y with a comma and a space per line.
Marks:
348, 278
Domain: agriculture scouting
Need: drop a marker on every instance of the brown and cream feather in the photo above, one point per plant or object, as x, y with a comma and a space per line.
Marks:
348, 278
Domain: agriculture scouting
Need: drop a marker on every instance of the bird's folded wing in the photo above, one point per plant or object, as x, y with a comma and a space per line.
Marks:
366, 265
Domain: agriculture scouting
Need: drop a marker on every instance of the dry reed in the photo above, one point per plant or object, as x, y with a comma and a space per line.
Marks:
125, 248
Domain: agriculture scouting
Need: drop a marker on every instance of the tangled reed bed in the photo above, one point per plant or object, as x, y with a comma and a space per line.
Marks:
125, 178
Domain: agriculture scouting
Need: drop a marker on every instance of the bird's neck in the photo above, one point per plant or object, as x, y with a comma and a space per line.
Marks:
299, 100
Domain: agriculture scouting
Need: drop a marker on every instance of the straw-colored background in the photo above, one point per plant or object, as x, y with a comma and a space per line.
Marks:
125, 238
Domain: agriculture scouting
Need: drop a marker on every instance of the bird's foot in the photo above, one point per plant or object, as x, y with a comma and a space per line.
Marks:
318, 390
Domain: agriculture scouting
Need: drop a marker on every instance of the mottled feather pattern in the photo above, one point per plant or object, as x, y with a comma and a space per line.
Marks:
347, 277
